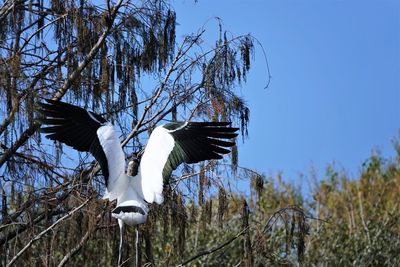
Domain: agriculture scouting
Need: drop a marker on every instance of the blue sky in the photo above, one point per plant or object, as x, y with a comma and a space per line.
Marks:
335, 89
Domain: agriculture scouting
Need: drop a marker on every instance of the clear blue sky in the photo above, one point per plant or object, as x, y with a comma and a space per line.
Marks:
335, 89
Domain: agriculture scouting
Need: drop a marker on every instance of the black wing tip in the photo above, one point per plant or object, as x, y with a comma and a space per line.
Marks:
209, 123
58, 109
43, 130
52, 104
43, 107
48, 102
233, 134
40, 110
214, 125
220, 143
39, 106
203, 124
218, 156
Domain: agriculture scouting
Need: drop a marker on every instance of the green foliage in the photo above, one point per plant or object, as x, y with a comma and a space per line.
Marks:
362, 218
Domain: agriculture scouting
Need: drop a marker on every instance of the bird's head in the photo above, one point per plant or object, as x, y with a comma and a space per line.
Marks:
133, 166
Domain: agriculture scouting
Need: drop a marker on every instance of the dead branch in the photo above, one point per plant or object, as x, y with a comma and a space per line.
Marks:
209, 251
37, 237
67, 84
23, 227
84, 239
74, 75
8, 6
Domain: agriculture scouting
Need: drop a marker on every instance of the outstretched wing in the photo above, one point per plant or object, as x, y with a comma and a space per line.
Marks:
85, 131
171, 144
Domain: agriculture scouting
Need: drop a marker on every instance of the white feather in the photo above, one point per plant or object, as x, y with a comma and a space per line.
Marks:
115, 160
158, 148
130, 197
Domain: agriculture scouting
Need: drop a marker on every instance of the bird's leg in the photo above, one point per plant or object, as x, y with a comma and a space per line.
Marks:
137, 247
121, 232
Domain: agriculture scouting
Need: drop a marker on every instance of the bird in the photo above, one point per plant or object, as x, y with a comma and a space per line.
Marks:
168, 146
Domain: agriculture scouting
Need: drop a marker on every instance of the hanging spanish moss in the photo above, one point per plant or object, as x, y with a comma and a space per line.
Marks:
134, 104
222, 205
234, 159
202, 184
303, 231
205, 215
258, 184
165, 212
181, 221
247, 249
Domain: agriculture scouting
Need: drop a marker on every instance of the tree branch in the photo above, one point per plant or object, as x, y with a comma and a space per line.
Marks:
7, 7
84, 239
209, 251
37, 237
61, 92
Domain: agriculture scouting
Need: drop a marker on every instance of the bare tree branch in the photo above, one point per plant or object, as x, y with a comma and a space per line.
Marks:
84, 239
7, 7
212, 250
60, 93
37, 237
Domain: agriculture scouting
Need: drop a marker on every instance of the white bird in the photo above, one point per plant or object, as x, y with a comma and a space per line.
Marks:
168, 146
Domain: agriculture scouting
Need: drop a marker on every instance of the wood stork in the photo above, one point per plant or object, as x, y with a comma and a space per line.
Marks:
168, 146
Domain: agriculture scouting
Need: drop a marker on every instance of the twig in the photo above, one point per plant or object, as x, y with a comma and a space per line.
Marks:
83, 240
189, 175
37, 237
154, 99
67, 84
8, 7
74, 75
362, 218
39, 30
209, 251
24, 226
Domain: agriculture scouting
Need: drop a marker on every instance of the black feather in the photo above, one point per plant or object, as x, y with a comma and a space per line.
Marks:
74, 127
198, 141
